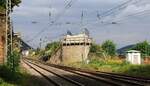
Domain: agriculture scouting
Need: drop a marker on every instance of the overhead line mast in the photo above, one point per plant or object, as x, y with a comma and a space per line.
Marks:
9, 31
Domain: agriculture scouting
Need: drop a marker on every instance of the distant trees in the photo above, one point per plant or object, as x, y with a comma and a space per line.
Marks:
109, 47
96, 49
51, 47
46, 53
143, 47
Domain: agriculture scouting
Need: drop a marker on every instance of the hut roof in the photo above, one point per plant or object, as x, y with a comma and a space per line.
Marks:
133, 51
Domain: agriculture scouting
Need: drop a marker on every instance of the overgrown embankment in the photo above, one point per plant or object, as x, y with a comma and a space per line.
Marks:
115, 66
104, 58
19, 78
45, 54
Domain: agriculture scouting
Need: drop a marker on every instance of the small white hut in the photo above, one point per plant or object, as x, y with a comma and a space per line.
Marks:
133, 56
25, 53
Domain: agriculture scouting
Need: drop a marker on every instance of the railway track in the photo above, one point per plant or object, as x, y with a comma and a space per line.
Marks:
107, 78
51, 80
122, 78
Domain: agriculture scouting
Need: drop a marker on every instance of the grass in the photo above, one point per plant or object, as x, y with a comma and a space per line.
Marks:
19, 78
136, 70
7, 77
116, 66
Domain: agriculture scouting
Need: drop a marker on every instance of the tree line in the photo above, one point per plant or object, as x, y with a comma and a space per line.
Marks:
108, 49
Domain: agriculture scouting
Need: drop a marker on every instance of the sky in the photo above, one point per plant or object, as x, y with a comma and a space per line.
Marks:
126, 25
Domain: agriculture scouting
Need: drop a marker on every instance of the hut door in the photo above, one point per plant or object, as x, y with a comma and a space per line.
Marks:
135, 59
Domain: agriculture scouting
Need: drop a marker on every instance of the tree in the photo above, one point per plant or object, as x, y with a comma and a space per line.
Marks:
109, 47
15, 2
51, 47
94, 48
3, 4
97, 50
143, 47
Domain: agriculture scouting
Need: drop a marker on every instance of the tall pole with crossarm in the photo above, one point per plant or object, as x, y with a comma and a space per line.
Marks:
9, 32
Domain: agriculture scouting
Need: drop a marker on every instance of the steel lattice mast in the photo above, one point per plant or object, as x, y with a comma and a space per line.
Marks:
9, 31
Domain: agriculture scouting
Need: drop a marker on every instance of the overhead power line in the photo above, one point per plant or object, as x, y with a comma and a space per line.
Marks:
135, 14
69, 5
112, 11
99, 16
141, 13
118, 8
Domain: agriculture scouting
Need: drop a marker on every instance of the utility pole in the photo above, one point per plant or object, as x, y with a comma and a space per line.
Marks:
9, 34
84, 39
82, 16
40, 43
10, 30
98, 16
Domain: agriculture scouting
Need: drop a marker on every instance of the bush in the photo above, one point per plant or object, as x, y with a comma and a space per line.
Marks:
137, 70
109, 47
13, 61
7, 75
143, 47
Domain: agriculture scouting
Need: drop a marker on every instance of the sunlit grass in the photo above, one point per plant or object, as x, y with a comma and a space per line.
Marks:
20, 78
115, 66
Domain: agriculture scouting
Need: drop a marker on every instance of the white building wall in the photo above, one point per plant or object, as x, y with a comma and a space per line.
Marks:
134, 58
25, 53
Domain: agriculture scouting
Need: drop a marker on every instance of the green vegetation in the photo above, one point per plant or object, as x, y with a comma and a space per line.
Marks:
19, 78
109, 47
115, 66
10, 72
13, 61
106, 50
52, 47
3, 4
143, 47
97, 50
49, 50
8, 76
39, 52
100, 60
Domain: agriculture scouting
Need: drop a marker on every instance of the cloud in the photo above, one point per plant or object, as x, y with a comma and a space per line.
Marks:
128, 31
133, 9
